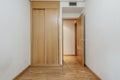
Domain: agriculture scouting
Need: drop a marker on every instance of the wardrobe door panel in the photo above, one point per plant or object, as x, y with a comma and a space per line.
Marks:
51, 36
38, 48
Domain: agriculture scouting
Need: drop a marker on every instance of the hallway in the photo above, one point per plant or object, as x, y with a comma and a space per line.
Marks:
71, 70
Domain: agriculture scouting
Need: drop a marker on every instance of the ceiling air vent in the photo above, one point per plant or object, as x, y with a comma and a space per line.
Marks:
72, 3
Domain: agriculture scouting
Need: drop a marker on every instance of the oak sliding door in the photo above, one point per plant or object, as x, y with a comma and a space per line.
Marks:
45, 37
51, 36
38, 37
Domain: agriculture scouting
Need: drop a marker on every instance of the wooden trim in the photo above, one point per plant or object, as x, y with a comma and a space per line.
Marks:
62, 43
44, 0
44, 65
69, 54
97, 77
58, 15
43, 5
75, 39
16, 78
31, 24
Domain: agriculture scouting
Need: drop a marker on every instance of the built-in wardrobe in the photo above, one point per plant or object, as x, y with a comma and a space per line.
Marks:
45, 33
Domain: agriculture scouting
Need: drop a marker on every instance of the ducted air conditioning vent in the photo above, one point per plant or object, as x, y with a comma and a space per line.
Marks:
72, 3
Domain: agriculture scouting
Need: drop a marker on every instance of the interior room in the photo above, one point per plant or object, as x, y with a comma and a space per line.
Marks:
45, 58
59, 40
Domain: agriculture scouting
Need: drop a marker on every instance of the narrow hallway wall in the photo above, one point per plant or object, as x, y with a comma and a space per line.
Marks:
69, 37
14, 37
103, 38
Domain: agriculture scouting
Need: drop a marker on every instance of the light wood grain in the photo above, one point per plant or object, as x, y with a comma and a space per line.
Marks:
45, 31
80, 39
51, 36
44, 0
45, 4
38, 56
71, 70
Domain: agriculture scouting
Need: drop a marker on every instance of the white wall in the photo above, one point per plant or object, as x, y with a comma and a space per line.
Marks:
103, 38
14, 37
69, 37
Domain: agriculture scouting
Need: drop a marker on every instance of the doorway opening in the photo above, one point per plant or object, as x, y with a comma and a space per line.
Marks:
73, 35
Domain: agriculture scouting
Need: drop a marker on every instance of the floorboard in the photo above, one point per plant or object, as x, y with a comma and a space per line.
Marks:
71, 70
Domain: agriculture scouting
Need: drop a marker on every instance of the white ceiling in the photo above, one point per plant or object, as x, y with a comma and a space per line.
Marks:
72, 0
71, 12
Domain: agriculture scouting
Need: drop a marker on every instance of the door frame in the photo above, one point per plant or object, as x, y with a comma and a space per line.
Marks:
75, 40
63, 33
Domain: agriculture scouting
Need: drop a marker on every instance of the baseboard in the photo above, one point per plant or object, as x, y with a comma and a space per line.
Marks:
49, 65
98, 78
69, 54
16, 78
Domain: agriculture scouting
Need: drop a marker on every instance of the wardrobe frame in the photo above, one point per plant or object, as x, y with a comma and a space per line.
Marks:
42, 5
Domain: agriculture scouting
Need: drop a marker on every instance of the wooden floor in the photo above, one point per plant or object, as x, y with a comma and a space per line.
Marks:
71, 70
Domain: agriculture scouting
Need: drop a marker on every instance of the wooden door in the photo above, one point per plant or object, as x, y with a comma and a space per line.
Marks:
80, 40
51, 36
38, 48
